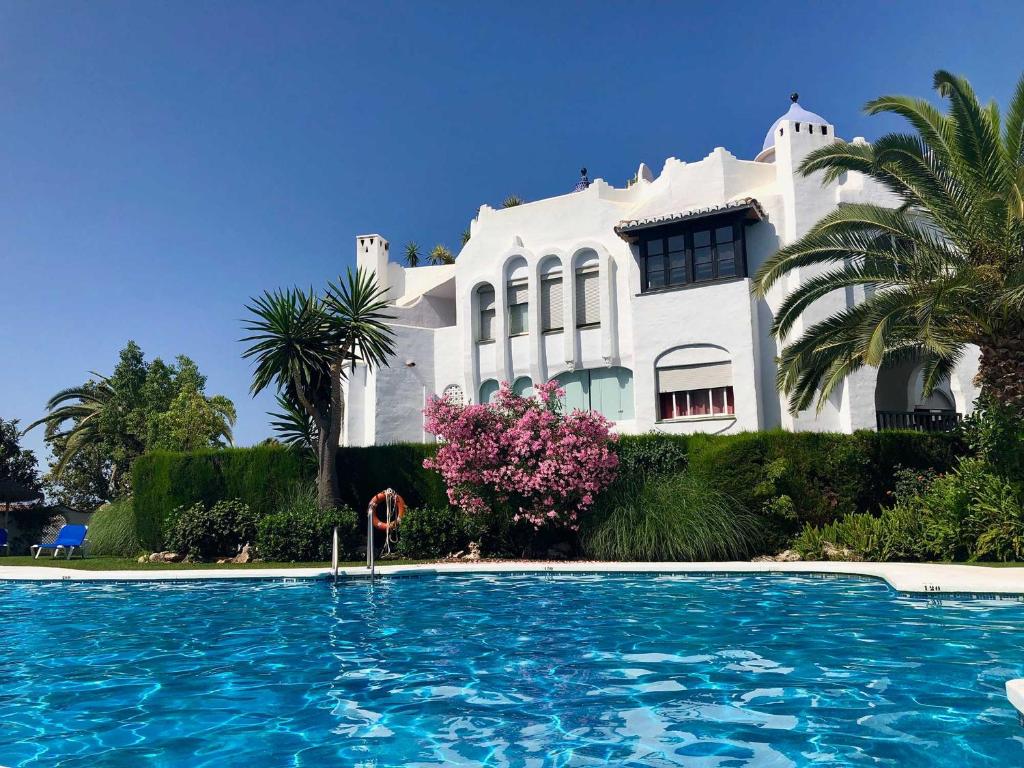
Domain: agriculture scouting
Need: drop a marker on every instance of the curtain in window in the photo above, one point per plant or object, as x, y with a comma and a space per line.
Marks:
588, 298
551, 304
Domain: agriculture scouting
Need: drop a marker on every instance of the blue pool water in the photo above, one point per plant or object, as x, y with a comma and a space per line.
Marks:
510, 670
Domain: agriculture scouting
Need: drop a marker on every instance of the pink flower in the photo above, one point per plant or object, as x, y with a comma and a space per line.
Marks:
523, 449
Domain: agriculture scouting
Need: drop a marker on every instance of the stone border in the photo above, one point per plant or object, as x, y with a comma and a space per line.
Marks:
913, 578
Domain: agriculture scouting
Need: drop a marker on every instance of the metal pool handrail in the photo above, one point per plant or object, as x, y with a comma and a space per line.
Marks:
334, 554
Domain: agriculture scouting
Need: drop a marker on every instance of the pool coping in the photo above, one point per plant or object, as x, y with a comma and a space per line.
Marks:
913, 578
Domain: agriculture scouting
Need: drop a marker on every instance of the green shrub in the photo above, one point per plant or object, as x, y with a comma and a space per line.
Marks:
163, 481
652, 452
201, 533
793, 480
300, 532
113, 530
968, 514
669, 517
995, 433
432, 532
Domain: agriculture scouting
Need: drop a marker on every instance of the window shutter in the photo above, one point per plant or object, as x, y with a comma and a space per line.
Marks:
517, 293
485, 297
588, 298
695, 377
551, 303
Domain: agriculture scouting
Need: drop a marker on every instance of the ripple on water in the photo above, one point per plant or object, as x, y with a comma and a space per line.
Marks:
518, 670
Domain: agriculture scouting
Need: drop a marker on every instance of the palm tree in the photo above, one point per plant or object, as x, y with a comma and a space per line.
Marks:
465, 236
943, 270
305, 345
512, 201
77, 415
441, 255
412, 255
293, 425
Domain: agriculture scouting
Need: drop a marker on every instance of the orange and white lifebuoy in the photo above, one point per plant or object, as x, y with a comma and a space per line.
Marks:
399, 508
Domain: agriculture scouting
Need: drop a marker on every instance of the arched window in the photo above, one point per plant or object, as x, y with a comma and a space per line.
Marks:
588, 293
551, 312
453, 393
517, 297
485, 306
608, 391
488, 390
523, 386
694, 381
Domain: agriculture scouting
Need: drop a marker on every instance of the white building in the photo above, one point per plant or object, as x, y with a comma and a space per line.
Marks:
637, 300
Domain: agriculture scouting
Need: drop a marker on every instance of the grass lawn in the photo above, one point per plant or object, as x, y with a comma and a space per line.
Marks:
131, 564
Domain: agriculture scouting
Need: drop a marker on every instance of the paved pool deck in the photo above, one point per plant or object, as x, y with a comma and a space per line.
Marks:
912, 578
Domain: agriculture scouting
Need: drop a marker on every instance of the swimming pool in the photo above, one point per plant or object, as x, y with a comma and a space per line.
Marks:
511, 670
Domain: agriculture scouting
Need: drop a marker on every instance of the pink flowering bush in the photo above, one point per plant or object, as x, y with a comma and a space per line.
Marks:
525, 453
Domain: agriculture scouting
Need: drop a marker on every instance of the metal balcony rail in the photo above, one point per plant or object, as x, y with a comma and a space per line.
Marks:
920, 421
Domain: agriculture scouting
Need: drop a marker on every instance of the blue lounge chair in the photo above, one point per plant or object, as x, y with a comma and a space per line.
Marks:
5, 545
70, 538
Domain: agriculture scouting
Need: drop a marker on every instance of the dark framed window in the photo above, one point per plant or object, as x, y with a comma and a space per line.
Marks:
679, 255
690, 403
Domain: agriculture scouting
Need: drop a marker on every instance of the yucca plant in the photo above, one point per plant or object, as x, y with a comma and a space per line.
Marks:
412, 255
943, 270
441, 255
512, 201
304, 345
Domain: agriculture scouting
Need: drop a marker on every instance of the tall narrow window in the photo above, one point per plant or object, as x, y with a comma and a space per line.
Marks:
551, 302
485, 300
518, 308
588, 297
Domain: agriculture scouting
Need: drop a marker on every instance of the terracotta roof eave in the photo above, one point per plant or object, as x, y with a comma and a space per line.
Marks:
756, 212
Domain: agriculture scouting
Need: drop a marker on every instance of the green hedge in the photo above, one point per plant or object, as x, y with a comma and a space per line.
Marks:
789, 479
257, 476
814, 478
365, 472
262, 475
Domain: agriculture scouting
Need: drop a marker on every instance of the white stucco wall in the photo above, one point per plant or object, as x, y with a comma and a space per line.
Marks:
437, 316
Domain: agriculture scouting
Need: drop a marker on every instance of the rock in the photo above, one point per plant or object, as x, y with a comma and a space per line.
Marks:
786, 556
245, 556
222, 560
474, 552
143, 559
173, 557
832, 552
156, 557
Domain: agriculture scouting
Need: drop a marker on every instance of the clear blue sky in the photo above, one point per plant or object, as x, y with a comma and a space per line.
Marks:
162, 162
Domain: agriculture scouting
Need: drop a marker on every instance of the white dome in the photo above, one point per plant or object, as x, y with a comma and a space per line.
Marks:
797, 114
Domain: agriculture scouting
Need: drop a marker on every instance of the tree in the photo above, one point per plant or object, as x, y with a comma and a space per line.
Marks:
512, 201
293, 425
17, 465
441, 255
304, 345
465, 236
194, 421
942, 270
97, 430
412, 255
523, 452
